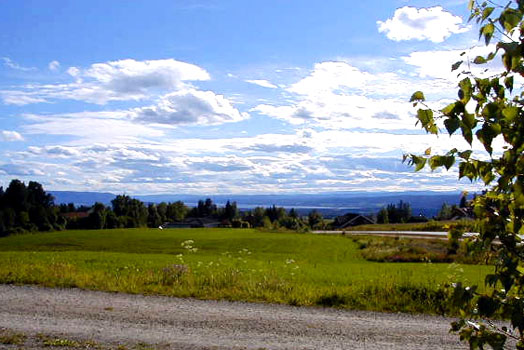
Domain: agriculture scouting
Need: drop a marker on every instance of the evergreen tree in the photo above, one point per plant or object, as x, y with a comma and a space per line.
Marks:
315, 220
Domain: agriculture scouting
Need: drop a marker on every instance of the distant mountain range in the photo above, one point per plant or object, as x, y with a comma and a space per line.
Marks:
330, 204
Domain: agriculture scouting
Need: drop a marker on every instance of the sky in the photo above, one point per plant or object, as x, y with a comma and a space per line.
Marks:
226, 97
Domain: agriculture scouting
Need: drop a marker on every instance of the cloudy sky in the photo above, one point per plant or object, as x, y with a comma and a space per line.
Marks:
231, 96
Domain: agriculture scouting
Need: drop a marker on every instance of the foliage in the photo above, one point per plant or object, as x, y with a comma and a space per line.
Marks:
27, 208
393, 214
445, 212
315, 220
489, 109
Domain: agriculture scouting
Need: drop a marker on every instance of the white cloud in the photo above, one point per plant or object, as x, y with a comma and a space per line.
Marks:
54, 65
91, 127
189, 107
309, 161
338, 95
437, 63
13, 65
121, 80
73, 71
333, 111
20, 98
6, 135
432, 23
262, 83
21, 169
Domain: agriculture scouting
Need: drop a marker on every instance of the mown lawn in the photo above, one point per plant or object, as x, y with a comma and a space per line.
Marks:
233, 264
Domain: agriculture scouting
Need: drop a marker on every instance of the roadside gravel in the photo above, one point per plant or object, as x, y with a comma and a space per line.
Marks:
113, 318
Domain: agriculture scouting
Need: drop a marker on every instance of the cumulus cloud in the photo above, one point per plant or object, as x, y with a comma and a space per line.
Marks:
190, 107
6, 135
262, 83
54, 65
433, 23
121, 80
338, 95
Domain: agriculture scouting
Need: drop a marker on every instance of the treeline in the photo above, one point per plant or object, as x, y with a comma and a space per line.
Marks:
127, 212
402, 212
29, 208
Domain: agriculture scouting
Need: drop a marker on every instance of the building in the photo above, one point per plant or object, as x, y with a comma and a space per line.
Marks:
193, 223
352, 219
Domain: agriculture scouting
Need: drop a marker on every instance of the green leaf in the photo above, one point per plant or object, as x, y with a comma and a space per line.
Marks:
456, 65
452, 124
448, 161
419, 162
506, 60
487, 12
508, 83
510, 113
467, 170
485, 137
445, 161
487, 306
491, 111
466, 132
479, 60
465, 87
449, 109
465, 155
425, 116
469, 120
417, 96
510, 19
487, 31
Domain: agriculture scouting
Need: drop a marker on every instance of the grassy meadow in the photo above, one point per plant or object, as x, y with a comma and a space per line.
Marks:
232, 264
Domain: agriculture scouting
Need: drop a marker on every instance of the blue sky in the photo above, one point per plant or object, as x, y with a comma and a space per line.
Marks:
208, 97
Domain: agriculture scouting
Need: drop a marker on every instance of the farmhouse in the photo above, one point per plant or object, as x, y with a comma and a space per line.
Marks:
352, 219
192, 223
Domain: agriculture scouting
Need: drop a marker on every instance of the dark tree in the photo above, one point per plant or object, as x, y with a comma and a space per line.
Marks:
315, 220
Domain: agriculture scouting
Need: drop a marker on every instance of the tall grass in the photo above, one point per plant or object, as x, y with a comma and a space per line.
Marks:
297, 269
432, 226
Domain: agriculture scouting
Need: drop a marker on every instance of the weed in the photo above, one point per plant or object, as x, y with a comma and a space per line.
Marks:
173, 273
61, 342
12, 338
144, 346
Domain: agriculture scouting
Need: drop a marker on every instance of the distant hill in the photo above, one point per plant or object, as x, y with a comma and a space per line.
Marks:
330, 204
82, 198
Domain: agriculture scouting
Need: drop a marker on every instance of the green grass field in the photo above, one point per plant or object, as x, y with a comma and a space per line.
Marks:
232, 264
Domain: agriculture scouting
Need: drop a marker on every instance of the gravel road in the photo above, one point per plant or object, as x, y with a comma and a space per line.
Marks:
112, 318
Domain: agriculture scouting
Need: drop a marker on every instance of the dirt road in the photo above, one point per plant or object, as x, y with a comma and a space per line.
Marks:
110, 318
